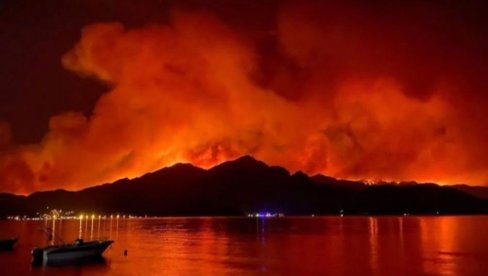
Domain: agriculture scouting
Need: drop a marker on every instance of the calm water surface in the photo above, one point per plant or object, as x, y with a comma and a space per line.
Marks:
412, 245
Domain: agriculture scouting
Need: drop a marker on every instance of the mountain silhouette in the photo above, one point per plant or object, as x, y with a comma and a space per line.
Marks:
246, 185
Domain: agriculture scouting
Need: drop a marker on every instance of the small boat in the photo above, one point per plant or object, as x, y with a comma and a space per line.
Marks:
79, 250
8, 244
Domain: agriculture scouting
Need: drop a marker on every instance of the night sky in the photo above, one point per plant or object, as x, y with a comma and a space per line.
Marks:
96, 90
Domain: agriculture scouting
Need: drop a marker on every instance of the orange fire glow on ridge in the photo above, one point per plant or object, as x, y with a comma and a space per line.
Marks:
194, 91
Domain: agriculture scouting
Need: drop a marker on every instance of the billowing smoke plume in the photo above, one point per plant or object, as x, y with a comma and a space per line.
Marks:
332, 89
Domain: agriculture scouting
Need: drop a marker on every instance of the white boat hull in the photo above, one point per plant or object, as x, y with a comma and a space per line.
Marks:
68, 256
71, 252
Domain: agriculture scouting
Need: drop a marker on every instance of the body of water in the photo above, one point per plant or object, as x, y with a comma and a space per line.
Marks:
413, 245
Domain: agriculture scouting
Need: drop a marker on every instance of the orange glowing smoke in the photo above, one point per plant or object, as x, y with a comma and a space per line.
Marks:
190, 91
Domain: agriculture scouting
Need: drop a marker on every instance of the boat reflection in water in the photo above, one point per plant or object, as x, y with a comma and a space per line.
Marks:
78, 252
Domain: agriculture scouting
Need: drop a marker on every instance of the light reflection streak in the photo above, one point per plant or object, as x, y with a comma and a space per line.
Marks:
80, 232
373, 241
440, 246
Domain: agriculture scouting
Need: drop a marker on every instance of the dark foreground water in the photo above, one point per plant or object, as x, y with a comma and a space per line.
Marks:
412, 245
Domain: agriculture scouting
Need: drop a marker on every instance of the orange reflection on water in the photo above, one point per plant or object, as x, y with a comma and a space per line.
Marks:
280, 246
373, 240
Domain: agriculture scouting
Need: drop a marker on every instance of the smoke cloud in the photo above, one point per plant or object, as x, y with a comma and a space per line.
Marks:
334, 88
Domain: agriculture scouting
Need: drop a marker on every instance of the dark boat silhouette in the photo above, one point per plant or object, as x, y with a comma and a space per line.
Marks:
79, 250
8, 244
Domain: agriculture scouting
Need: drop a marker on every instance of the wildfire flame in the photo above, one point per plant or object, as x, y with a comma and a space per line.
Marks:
196, 90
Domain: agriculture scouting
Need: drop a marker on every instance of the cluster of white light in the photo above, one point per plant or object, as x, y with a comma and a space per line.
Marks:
264, 215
